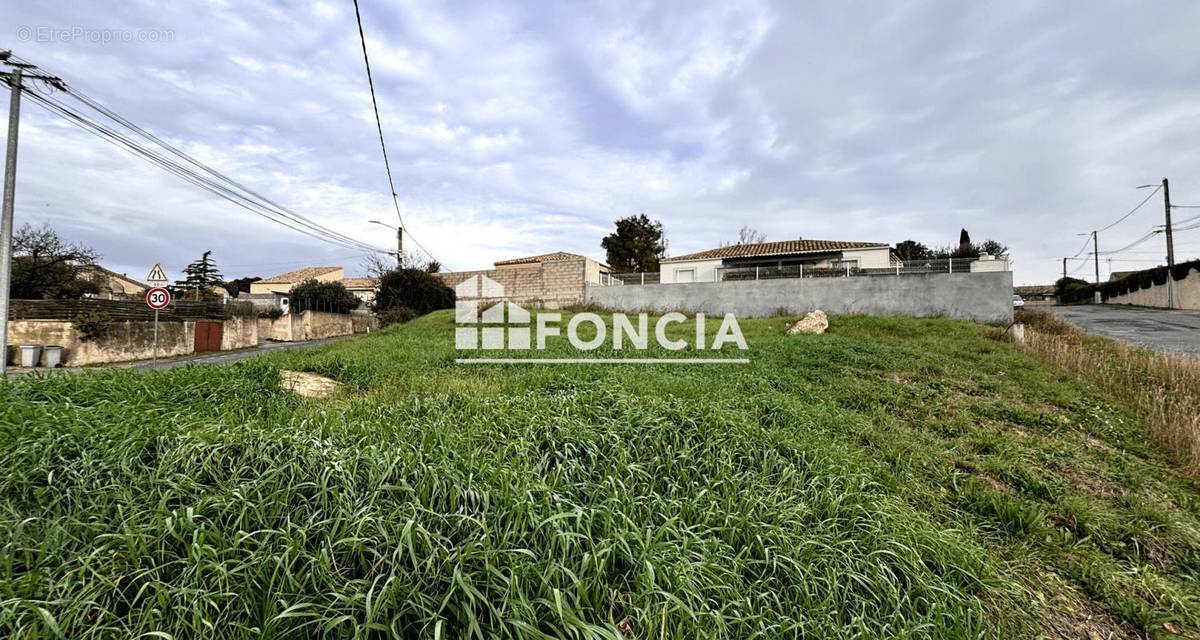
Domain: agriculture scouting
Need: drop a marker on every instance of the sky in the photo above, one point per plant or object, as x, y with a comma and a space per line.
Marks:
529, 127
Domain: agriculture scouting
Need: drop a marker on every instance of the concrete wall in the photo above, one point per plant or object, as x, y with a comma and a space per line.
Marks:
127, 340
1187, 294
310, 325
983, 297
552, 284
239, 333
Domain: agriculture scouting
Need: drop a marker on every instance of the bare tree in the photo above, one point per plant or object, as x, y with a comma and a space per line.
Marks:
376, 264
748, 235
47, 266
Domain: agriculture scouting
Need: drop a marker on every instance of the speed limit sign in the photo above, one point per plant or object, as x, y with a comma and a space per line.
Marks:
158, 298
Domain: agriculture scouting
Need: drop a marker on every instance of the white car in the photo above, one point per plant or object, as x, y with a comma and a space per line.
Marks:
1018, 301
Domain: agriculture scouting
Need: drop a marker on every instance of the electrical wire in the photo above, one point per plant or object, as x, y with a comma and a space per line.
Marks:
1131, 211
387, 165
1131, 245
117, 139
219, 183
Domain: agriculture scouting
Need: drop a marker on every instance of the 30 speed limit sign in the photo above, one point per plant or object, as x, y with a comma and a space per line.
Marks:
158, 298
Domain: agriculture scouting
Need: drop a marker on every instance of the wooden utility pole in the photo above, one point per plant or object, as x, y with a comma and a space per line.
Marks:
1064, 268
1170, 246
1096, 254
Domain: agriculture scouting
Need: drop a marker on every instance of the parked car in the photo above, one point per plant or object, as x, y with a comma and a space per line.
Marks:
1018, 301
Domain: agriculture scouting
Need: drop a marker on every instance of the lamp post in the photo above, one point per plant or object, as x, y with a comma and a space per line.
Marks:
399, 242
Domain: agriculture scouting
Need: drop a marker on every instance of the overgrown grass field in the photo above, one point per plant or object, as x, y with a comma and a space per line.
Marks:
892, 478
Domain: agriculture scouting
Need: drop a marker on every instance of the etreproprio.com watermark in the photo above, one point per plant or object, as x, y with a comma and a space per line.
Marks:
29, 33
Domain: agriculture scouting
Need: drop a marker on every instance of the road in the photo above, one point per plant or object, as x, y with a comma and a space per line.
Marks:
1157, 329
223, 357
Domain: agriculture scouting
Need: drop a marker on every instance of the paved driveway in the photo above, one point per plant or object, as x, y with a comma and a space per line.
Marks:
1157, 329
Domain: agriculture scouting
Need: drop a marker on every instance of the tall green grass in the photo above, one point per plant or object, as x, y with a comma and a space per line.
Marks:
894, 478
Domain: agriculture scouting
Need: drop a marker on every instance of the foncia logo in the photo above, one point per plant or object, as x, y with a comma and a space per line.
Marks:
486, 321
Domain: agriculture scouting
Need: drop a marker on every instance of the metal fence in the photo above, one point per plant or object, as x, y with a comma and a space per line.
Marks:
847, 270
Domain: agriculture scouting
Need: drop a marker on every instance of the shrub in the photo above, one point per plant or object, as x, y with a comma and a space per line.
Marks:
396, 315
314, 295
91, 325
413, 289
272, 313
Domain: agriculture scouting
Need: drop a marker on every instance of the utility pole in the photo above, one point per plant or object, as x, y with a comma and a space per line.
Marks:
1064, 268
6, 213
1096, 254
400, 247
1170, 246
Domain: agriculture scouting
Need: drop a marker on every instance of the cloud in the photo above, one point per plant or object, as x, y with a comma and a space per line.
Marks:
523, 128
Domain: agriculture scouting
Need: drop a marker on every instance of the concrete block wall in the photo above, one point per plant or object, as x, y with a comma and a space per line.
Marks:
982, 297
553, 284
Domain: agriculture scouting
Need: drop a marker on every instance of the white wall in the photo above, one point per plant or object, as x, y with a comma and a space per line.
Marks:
701, 271
876, 258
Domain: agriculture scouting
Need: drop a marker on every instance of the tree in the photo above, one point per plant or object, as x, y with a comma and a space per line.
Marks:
413, 290
201, 278
433, 266
992, 247
964, 240
47, 266
636, 245
1066, 285
911, 250
748, 235
239, 286
315, 295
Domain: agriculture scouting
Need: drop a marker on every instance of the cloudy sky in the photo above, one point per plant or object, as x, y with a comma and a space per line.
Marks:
530, 127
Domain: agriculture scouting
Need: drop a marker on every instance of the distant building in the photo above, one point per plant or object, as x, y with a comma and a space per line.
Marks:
550, 280
363, 288
113, 285
283, 283
707, 266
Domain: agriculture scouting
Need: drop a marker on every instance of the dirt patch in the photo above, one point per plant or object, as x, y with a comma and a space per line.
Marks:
309, 385
1091, 483
1077, 619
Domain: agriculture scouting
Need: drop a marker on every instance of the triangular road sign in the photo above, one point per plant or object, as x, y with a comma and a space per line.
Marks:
156, 274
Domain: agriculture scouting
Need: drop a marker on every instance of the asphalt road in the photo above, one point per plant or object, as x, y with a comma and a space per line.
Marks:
1157, 329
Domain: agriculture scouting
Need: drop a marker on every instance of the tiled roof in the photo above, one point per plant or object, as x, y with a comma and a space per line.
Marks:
545, 257
108, 272
786, 247
299, 275
360, 283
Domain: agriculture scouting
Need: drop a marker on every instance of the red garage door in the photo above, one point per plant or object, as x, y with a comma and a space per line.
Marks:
208, 336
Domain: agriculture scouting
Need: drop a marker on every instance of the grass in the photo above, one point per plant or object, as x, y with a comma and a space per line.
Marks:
891, 478
1164, 389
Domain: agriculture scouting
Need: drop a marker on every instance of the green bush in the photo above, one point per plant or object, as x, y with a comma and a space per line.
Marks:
330, 297
396, 315
91, 325
412, 289
272, 313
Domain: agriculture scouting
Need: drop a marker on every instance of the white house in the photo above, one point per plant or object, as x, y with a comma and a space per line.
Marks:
714, 264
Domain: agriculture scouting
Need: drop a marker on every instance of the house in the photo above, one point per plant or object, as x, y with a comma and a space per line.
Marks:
1036, 292
551, 280
720, 263
281, 284
362, 288
113, 285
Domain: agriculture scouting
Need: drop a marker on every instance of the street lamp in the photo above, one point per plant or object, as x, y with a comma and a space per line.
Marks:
399, 241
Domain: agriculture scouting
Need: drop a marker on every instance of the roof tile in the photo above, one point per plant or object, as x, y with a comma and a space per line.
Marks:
785, 247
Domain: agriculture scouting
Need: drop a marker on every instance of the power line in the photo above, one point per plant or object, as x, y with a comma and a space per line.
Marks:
1131, 245
387, 165
1131, 211
222, 186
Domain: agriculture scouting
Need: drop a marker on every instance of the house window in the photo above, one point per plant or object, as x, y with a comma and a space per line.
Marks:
842, 264
685, 275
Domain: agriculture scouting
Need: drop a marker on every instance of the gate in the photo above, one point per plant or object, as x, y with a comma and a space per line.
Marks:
208, 336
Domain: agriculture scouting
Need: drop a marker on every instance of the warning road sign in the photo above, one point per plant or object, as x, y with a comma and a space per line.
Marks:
157, 275
158, 298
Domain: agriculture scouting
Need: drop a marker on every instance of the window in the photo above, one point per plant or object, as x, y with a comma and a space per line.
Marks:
685, 275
